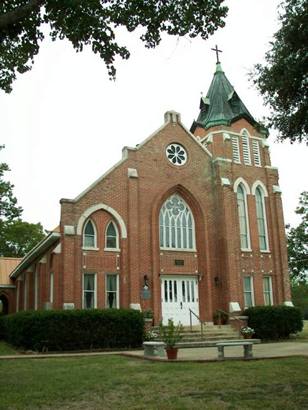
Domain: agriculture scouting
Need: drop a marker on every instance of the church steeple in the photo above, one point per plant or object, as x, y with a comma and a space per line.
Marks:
222, 105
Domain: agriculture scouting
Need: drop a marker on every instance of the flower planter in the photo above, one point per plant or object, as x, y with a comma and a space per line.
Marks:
172, 353
249, 336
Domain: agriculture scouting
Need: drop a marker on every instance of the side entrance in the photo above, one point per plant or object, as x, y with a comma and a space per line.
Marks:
178, 295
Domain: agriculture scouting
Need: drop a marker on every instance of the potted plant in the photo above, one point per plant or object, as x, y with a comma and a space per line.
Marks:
170, 334
247, 332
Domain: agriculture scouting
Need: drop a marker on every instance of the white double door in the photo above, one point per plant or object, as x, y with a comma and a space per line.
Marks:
178, 295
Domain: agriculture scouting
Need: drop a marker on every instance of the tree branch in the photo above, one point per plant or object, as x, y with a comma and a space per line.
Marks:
19, 13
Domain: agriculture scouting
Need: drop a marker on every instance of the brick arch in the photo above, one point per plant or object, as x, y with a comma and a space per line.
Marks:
242, 181
257, 184
86, 214
185, 194
202, 242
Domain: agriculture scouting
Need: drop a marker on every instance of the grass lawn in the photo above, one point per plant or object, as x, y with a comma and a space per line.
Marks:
6, 349
114, 382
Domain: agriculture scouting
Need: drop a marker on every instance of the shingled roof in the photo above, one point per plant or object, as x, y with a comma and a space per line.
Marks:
222, 105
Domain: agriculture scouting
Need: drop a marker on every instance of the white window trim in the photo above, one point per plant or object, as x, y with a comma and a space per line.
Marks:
94, 248
51, 287
117, 289
270, 291
248, 249
117, 248
264, 194
178, 249
252, 290
95, 289
17, 295
25, 291
36, 289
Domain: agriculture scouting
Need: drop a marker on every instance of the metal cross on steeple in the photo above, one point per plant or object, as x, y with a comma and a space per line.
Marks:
217, 51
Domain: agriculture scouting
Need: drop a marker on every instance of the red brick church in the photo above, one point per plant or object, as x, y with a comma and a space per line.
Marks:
188, 219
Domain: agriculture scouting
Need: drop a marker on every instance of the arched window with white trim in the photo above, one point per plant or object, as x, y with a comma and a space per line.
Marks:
112, 236
176, 225
243, 216
89, 235
261, 219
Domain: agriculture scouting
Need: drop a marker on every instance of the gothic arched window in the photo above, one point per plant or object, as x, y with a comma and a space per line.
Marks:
261, 219
243, 217
112, 237
89, 235
176, 225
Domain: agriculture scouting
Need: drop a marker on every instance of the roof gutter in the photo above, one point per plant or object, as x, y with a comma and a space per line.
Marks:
35, 253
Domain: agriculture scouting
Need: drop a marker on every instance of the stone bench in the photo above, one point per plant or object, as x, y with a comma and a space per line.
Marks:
154, 349
247, 345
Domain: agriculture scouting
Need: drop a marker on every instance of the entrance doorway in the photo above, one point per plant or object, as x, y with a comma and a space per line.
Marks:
178, 295
4, 305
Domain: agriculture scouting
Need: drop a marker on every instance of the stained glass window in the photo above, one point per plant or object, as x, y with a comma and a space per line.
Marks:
176, 154
176, 224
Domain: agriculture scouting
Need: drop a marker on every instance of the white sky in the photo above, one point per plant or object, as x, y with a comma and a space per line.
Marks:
65, 122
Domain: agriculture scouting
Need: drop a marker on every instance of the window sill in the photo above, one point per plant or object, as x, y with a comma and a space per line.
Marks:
112, 249
84, 248
265, 251
246, 250
178, 250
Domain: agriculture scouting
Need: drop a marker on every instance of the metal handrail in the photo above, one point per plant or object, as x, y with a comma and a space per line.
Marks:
191, 312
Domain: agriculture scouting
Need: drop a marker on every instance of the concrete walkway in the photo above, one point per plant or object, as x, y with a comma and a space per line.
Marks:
263, 350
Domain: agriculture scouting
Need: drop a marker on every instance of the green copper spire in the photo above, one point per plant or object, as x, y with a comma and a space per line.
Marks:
222, 105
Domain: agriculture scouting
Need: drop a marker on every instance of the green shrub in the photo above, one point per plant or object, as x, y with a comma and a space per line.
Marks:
274, 322
2, 327
75, 329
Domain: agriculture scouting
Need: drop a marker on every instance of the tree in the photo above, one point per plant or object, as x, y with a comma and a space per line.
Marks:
297, 241
283, 80
16, 236
299, 292
93, 23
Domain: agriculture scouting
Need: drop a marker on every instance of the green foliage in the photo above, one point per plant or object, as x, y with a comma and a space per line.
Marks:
74, 329
283, 80
274, 322
170, 334
2, 327
16, 236
299, 292
8, 203
93, 23
297, 240
19, 238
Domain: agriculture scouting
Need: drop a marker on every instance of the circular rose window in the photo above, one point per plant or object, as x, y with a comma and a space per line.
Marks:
176, 154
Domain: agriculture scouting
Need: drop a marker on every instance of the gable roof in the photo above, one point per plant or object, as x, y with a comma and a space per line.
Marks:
37, 252
170, 117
